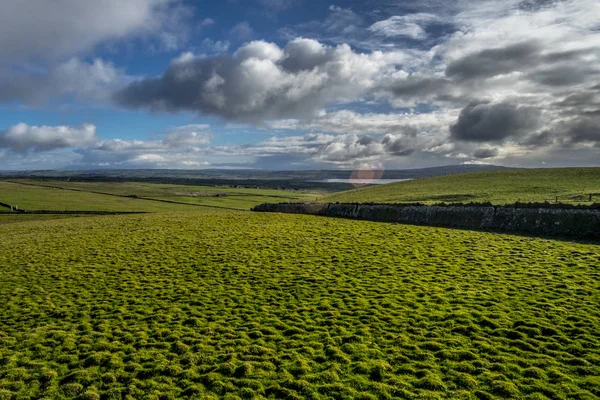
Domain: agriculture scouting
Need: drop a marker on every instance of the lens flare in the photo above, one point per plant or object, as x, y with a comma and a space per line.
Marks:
366, 175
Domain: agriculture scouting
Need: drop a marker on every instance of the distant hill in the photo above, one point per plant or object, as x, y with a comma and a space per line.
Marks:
300, 180
498, 187
243, 174
439, 171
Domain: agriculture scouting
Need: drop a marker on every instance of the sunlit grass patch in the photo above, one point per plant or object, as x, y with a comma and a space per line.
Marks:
570, 185
247, 305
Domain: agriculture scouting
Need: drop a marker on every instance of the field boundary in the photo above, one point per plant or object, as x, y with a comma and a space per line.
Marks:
6, 205
572, 222
119, 195
66, 212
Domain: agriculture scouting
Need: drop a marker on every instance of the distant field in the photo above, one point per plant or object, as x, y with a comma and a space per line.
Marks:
167, 190
40, 198
47, 195
229, 304
572, 185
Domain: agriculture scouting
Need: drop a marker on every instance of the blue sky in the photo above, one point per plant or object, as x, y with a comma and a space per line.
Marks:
298, 84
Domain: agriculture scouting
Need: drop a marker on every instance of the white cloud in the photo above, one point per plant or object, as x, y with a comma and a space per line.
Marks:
534, 62
181, 146
95, 80
410, 25
188, 135
260, 50
34, 29
45, 45
516, 80
262, 81
88, 82
23, 138
207, 22
347, 121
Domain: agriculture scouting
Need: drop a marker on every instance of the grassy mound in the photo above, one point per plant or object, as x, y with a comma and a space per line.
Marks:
234, 305
499, 187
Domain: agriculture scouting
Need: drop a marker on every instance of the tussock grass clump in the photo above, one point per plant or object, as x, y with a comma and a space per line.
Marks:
252, 306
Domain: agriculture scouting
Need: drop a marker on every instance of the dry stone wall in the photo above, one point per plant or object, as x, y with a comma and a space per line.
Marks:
581, 223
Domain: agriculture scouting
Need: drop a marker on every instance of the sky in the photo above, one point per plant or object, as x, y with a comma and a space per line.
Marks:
298, 84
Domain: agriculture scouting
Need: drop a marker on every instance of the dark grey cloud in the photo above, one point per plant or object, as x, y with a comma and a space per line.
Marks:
397, 145
259, 81
581, 99
537, 139
304, 54
366, 140
492, 62
419, 87
475, 74
494, 122
563, 74
535, 5
581, 103
540, 64
580, 130
485, 153
22, 87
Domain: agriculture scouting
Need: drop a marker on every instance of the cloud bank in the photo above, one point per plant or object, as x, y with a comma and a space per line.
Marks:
261, 80
508, 82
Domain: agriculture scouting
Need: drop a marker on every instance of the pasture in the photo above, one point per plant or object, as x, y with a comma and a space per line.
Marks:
569, 185
136, 197
231, 304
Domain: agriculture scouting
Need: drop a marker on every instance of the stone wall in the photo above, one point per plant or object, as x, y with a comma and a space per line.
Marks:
580, 223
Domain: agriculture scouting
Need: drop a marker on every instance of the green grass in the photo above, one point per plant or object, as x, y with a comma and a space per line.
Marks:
227, 304
35, 195
571, 185
41, 198
8, 218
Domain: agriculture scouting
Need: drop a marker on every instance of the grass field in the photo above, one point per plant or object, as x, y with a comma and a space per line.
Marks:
228, 304
40, 198
7, 218
571, 185
78, 196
